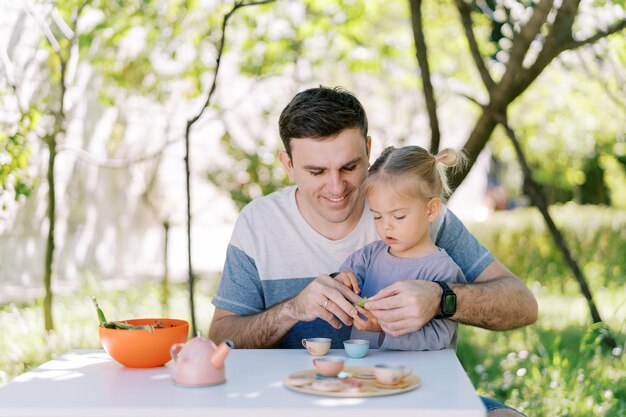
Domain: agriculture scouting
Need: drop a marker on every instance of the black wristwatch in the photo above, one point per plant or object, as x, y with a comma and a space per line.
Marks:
448, 301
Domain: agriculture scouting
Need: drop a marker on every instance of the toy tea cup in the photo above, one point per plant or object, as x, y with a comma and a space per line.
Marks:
317, 346
356, 348
328, 366
390, 374
200, 362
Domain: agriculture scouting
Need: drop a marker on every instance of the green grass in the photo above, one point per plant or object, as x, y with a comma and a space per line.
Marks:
558, 367
24, 344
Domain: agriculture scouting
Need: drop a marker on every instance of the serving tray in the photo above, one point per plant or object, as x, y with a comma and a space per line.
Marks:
353, 382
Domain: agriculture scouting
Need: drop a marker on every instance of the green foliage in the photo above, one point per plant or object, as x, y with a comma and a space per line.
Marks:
14, 158
596, 235
146, 47
544, 371
248, 174
570, 144
358, 36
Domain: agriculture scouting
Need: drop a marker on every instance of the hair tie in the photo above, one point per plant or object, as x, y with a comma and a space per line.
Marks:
447, 156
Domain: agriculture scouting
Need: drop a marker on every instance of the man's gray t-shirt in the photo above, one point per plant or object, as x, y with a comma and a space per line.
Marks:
376, 269
274, 253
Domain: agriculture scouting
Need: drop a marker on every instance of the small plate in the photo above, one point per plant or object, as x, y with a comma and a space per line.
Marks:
299, 380
399, 385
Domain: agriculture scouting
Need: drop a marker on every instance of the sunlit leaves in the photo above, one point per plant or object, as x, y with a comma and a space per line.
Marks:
255, 173
15, 179
358, 35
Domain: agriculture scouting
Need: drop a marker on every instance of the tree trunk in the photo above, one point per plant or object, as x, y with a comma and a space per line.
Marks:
191, 276
49, 260
474, 146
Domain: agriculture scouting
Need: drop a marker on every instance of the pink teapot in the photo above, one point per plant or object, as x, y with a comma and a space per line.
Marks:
199, 361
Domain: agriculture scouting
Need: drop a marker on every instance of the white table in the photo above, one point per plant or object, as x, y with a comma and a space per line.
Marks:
88, 383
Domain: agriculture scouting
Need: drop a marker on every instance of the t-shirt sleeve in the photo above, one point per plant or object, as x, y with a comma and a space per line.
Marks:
463, 247
240, 290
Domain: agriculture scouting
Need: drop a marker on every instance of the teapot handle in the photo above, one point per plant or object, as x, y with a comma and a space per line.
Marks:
175, 349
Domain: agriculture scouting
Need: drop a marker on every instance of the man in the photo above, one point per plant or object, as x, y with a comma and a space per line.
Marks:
275, 289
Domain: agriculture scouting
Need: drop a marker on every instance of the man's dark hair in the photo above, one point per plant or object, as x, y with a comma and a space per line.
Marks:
321, 113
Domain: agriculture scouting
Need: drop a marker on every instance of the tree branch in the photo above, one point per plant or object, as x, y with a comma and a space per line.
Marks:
466, 20
614, 28
191, 276
116, 163
615, 98
421, 52
558, 40
43, 26
520, 48
238, 5
10, 76
534, 190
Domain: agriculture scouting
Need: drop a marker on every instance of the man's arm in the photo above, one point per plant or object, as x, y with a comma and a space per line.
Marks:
262, 330
325, 298
497, 300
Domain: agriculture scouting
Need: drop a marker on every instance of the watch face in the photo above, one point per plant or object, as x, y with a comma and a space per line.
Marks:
449, 304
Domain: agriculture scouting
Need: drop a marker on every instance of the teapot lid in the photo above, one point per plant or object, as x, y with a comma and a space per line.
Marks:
198, 347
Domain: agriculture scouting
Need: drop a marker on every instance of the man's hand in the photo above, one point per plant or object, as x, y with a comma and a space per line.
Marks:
369, 325
405, 306
327, 299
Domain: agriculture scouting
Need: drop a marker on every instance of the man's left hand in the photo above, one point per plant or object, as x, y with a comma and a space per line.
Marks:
405, 306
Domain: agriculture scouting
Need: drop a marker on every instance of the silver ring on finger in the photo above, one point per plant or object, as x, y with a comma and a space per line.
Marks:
325, 304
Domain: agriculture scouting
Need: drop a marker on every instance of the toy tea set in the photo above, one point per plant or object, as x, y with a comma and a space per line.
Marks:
145, 343
330, 378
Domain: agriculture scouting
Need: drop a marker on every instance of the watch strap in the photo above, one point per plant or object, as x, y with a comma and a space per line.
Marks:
447, 304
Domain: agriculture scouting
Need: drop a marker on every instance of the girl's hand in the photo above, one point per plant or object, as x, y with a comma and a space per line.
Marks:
349, 280
369, 325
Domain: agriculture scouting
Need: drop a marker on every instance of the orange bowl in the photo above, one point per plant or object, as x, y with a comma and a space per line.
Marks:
141, 348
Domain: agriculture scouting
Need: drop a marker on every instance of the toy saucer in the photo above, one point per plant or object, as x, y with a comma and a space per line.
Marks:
399, 385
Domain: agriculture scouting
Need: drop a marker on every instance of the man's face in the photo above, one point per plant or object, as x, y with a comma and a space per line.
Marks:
328, 174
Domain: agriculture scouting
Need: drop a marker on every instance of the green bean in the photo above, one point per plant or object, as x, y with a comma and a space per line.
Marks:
361, 302
101, 318
117, 324
125, 326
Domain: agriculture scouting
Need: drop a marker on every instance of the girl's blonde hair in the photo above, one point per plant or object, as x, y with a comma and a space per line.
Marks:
412, 169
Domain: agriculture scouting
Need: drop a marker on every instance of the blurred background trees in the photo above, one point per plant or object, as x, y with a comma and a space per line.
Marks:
109, 87
89, 59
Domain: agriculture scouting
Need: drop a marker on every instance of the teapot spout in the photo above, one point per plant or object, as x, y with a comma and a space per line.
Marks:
219, 355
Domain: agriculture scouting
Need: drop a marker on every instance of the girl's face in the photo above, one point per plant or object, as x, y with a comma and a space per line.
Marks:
403, 222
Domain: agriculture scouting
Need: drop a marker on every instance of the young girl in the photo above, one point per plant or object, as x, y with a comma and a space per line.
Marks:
404, 190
